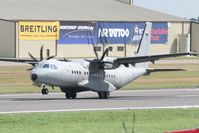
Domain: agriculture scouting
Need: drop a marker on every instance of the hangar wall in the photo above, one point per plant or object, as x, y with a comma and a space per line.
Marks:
7, 39
195, 37
86, 50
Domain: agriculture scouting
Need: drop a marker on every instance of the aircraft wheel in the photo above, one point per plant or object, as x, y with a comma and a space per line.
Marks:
103, 95
73, 95
67, 94
45, 91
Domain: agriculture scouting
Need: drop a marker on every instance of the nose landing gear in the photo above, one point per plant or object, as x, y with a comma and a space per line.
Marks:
44, 91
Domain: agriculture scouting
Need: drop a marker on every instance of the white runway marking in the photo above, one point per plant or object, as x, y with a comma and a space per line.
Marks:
120, 91
101, 109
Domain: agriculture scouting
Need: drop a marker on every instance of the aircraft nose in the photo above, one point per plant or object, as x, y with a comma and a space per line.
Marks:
34, 76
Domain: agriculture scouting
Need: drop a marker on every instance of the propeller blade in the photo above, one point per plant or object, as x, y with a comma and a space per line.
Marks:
32, 57
41, 53
105, 52
95, 51
50, 57
29, 69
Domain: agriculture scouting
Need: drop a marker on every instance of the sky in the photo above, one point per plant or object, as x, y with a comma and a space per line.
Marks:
181, 8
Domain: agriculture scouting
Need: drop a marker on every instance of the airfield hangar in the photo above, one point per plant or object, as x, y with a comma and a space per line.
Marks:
70, 28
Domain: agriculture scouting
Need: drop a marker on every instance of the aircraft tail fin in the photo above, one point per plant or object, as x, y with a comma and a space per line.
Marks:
144, 45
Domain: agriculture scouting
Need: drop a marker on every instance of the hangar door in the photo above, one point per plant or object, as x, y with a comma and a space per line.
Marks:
7, 39
194, 37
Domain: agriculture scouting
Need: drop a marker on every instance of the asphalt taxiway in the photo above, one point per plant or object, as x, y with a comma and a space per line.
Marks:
137, 99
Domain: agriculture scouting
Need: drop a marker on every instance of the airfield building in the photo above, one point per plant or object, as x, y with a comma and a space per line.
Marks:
69, 28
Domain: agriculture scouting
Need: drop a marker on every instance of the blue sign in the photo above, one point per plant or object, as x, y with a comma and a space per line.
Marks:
77, 33
130, 33
110, 33
114, 33
137, 31
159, 33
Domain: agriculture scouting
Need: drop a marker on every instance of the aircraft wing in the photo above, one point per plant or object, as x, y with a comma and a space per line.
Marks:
140, 59
19, 60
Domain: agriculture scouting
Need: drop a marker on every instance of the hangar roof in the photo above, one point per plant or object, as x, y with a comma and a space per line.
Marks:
79, 10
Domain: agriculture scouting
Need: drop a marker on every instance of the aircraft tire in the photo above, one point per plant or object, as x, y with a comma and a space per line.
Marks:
45, 91
73, 95
103, 95
67, 94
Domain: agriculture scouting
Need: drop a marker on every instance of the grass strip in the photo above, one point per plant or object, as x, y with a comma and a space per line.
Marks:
146, 121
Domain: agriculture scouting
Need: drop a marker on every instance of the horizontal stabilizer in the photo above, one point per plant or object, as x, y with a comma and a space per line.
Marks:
164, 70
149, 71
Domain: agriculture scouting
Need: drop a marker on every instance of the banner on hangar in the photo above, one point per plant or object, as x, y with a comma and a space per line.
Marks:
38, 30
130, 33
77, 33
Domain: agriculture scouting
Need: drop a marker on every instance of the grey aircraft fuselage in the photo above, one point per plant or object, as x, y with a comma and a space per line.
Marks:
73, 74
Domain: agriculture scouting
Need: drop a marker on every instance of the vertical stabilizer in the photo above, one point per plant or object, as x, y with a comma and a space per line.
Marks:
144, 46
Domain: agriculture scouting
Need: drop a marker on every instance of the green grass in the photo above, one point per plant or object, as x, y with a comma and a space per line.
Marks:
147, 121
15, 79
161, 80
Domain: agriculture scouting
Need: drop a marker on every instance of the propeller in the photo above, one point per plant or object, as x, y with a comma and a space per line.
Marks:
100, 61
41, 53
95, 51
35, 61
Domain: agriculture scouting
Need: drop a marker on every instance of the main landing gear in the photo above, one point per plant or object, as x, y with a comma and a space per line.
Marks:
103, 95
71, 95
44, 91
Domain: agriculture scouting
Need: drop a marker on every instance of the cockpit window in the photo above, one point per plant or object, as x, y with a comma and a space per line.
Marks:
54, 67
51, 66
45, 66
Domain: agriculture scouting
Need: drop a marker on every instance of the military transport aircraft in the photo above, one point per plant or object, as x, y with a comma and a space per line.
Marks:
101, 75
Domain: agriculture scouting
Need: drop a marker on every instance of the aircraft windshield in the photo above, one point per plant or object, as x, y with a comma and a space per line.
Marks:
46, 66
50, 66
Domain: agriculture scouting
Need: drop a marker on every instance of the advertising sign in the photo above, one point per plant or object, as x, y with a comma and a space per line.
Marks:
159, 33
114, 33
110, 33
36, 30
77, 33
